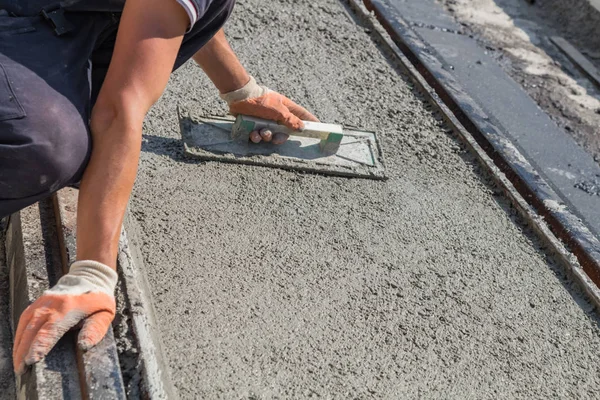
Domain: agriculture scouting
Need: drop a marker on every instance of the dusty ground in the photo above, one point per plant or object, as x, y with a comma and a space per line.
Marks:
7, 379
517, 35
273, 284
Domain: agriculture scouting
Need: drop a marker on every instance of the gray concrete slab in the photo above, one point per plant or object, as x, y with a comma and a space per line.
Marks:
270, 283
143, 364
547, 147
420, 13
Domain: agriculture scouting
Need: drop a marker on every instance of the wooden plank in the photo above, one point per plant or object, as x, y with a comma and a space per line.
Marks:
99, 366
30, 248
578, 59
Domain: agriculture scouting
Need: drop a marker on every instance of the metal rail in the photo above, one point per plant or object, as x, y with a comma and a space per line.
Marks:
561, 230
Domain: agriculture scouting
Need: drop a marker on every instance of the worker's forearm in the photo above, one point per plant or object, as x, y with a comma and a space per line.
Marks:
221, 65
149, 37
105, 191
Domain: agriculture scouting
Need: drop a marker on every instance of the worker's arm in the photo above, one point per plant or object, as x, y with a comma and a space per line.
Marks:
243, 94
149, 37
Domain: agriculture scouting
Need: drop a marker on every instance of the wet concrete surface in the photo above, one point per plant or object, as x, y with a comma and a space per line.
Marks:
275, 284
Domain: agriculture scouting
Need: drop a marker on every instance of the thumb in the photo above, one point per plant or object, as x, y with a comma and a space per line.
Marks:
94, 329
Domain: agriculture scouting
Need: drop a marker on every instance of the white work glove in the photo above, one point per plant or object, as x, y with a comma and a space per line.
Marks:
261, 102
85, 294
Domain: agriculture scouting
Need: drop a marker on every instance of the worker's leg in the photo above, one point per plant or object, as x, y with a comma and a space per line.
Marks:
44, 107
43, 138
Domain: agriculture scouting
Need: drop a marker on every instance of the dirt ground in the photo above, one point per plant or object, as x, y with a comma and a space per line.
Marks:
517, 34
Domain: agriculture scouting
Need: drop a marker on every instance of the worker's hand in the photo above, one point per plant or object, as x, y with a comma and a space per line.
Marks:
85, 294
261, 102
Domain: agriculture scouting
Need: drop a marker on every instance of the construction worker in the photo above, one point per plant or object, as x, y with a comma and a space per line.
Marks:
74, 91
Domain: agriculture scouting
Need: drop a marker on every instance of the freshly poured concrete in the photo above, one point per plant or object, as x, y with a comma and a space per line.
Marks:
275, 284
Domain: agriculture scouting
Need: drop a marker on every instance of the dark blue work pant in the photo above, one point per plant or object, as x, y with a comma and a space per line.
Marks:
48, 85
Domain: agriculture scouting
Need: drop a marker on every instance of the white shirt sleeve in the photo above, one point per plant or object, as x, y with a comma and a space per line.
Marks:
192, 11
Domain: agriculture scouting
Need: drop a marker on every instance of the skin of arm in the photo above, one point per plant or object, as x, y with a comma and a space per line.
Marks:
149, 38
221, 65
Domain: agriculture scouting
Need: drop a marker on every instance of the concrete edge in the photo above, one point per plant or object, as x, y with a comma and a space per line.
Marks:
526, 210
563, 221
155, 369
35, 263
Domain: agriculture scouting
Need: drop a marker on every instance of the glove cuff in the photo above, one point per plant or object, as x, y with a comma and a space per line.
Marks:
100, 275
249, 91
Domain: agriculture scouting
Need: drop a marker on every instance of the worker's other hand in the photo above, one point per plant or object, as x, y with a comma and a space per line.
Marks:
85, 294
261, 102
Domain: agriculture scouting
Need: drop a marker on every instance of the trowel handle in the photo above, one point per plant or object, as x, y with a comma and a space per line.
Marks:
330, 134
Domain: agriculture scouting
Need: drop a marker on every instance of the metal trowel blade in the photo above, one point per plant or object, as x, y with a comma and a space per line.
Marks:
209, 138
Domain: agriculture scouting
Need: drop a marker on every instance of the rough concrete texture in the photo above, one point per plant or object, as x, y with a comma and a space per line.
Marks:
7, 378
275, 284
517, 35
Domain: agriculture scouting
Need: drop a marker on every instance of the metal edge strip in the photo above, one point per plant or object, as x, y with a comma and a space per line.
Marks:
550, 223
155, 369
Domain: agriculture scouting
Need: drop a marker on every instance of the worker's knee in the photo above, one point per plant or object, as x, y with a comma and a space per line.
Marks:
62, 146
49, 150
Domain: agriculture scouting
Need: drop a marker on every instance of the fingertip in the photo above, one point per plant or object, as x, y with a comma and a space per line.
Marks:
280, 138
39, 349
298, 125
19, 368
255, 137
94, 329
86, 341
85, 345
266, 135
34, 359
